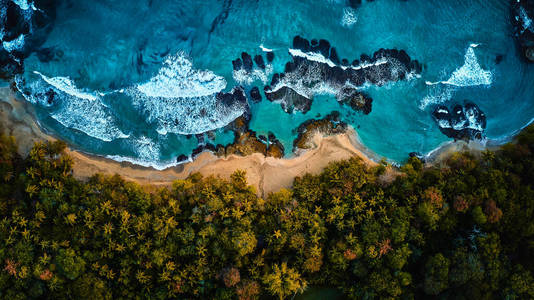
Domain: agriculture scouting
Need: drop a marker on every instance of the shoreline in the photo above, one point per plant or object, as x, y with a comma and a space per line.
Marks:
266, 174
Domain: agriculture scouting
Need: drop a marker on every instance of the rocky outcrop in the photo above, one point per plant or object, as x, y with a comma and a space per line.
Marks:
255, 94
328, 125
463, 122
316, 67
24, 26
522, 19
247, 63
246, 142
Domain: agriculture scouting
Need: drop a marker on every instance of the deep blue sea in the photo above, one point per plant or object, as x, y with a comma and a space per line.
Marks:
135, 79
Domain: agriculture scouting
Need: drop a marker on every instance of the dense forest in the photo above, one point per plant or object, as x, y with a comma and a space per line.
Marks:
463, 229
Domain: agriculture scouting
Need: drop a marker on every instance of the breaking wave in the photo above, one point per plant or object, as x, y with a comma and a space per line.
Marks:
182, 100
148, 155
178, 78
247, 78
469, 74
72, 107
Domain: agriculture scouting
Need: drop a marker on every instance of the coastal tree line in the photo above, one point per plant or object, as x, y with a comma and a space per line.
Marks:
461, 229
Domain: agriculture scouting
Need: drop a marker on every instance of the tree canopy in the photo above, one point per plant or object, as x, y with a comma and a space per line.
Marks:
463, 229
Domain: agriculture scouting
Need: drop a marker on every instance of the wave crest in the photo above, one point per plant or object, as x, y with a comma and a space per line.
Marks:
178, 78
71, 107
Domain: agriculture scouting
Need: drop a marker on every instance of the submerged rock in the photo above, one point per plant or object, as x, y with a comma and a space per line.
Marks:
258, 59
182, 158
316, 67
255, 94
247, 61
270, 56
522, 19
463, 122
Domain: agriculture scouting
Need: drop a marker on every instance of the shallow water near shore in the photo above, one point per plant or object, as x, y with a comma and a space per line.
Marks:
119, 69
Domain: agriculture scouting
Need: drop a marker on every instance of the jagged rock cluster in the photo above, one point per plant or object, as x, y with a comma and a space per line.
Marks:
316, 68
329, 125
463, 122
246, 62
24, 25
246, 142
522, 19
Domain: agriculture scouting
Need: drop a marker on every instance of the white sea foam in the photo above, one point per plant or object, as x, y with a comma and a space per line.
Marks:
444, 124
436, 95
186, 115
247, 78
66, 85
89, 117
15, 44
23, 4
526, 21
313, 56
178, 78
265, 49
158, 165
471, 118
350, 17
182, 100
469, 74
74, 109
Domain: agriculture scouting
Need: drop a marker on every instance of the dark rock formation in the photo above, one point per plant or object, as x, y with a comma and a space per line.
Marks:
247, 61
465, 122
355, 3
328, 125
24, 30
243, 67
246, 141
289, 99
305, 75
522, 19
356, 100
255, 94
275, 147
236, 96
182, 158
258, 59
270, 56
202, 148
237, 64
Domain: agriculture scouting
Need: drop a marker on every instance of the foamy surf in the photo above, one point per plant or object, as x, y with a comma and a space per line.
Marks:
178, 78
72, 107
265, 49
183, 100
148, 155
350, 17
469, 74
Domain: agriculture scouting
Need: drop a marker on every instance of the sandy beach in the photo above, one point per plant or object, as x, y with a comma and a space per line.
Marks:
266, 174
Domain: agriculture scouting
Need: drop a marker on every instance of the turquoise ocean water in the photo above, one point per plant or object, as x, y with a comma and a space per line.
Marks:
119, 66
